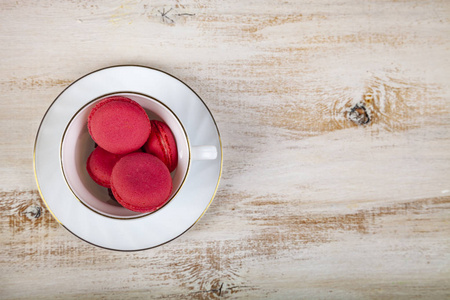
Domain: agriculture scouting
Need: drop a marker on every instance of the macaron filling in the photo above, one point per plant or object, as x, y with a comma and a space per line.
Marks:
162, 144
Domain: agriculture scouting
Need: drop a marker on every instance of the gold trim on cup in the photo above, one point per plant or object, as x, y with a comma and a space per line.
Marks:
118, 66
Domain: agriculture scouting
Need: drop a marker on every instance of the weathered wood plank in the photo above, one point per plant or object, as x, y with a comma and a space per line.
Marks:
335, 123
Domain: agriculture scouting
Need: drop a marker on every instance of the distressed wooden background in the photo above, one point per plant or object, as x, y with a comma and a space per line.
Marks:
335, 122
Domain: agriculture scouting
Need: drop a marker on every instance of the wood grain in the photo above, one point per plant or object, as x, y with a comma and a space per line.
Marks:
335, 123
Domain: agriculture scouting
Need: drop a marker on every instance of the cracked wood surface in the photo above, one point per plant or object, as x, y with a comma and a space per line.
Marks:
335, 123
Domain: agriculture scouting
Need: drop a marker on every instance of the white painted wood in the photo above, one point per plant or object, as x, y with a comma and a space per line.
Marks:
310, 204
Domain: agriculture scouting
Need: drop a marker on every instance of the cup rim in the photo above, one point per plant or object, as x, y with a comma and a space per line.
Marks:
108, 95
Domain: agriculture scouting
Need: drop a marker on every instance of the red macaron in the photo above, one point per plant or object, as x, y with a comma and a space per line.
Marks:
162, 144
100, 164
141, 182
119, 125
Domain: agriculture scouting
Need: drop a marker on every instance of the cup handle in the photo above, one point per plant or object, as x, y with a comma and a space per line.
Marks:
206, 152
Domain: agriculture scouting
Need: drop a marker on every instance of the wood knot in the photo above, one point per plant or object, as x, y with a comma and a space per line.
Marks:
358, 114
33, 212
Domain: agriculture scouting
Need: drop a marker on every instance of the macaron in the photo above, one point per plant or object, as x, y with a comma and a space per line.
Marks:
100, 164
119, 125
162, 144
141, 182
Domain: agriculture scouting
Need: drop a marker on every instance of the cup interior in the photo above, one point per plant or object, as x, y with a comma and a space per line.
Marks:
77, 145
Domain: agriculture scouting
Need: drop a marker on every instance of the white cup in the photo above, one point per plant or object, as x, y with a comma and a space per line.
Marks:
77, 145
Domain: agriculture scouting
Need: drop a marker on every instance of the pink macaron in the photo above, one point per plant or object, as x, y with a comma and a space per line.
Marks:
100, 164
162, 144
141, 182
119, 125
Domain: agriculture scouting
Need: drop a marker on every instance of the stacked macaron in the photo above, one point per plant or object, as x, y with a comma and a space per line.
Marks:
134, 156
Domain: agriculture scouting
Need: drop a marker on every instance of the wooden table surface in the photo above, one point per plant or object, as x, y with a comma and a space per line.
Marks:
335, 123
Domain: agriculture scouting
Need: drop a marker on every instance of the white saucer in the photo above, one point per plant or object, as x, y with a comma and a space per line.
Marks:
157, 228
